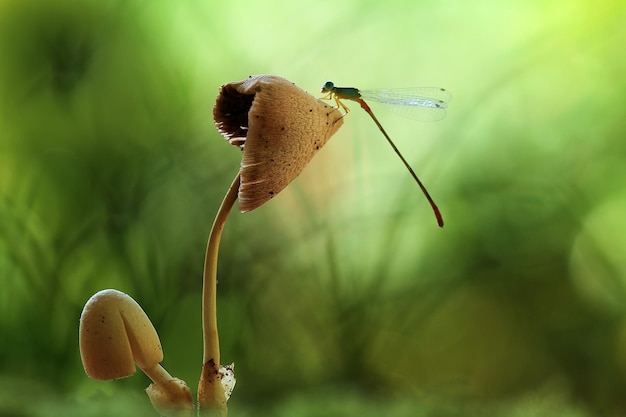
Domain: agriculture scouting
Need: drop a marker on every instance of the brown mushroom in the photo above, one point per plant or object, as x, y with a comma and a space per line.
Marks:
279, 127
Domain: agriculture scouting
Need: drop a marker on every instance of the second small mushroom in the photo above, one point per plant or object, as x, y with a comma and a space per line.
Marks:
115, 335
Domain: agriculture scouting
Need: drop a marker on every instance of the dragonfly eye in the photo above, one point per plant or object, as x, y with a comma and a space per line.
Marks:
329, 86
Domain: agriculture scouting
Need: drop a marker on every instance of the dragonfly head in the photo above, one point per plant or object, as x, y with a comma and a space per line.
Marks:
328, 87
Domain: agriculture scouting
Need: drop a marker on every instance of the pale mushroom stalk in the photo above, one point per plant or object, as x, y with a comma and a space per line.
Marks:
157, 374
211, 396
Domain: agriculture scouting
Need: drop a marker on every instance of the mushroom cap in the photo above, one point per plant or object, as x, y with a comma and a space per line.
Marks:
279, 126
115, 334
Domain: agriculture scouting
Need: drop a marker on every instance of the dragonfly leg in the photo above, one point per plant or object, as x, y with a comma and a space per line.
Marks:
345, 108
333, 96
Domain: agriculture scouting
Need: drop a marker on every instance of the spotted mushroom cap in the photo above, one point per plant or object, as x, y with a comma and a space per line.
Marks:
115, 334
279, 126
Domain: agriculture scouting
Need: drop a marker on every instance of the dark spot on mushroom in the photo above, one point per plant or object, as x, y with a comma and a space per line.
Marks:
310, 110
271, 192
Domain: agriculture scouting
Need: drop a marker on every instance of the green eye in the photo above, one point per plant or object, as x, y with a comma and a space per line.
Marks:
329, 85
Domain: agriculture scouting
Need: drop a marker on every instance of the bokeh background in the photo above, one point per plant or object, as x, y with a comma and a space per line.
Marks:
340, 296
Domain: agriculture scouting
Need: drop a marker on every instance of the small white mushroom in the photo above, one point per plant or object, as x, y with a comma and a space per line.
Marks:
115, 335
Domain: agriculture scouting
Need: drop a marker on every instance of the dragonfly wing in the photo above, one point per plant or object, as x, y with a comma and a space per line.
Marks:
422, 103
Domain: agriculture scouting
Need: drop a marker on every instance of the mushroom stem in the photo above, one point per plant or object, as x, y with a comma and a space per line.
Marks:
158, 374
211, 395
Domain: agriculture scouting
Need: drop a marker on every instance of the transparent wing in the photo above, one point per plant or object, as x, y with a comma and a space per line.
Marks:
427, 104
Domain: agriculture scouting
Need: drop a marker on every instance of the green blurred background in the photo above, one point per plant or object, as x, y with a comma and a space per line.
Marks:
341, 296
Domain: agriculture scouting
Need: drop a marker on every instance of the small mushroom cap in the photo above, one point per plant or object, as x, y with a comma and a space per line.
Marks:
115, 334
